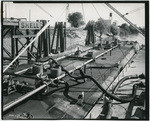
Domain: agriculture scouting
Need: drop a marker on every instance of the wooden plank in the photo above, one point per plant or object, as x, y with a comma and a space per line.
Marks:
10, 23
23, 36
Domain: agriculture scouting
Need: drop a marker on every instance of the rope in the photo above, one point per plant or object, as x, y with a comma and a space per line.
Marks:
96, 10
43, 10
132, 11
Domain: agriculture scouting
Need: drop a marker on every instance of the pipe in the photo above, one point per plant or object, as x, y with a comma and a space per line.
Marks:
22, 98
108, 114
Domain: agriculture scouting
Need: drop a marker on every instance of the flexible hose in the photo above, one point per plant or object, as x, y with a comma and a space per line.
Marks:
126, 78
99, 86
108, 113
66, 91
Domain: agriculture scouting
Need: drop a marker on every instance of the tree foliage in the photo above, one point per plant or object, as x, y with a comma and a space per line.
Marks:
142, 30
114, 30
127, 30
76, 19
101, 26
133, 30
89, 23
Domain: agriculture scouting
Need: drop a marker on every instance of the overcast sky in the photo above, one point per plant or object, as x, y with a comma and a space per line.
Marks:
58, 11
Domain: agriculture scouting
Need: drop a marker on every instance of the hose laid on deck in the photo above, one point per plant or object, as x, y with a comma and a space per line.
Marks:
66, 91
106, 92
108, 113
125, 79
83, 76
67, 86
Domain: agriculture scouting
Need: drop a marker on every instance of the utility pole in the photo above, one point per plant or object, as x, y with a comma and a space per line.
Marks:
29, 14
67, 11
5, 10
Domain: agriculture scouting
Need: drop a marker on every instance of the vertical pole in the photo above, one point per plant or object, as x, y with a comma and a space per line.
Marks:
110, 52
12, 43
49, 39
28, 41
93, 34
57, 42
29, 14
64, 35
35, 31
84, 69
54, 35
88, 39
45, 41
41, 40
16, 42
61, 38
5, 10
39, 45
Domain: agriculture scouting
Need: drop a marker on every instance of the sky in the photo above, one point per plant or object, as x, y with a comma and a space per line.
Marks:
58, 11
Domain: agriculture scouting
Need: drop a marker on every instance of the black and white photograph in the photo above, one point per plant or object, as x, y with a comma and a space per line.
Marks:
74, 60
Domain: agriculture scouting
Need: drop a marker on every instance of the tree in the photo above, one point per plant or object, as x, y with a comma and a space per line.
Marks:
89, 23
101, 26
114, 30
125, 28
76, 19
142, 29
133, 30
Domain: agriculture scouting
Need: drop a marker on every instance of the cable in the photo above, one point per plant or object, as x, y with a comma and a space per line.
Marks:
43, 10
61, 14
132, 11
96, 10
83, 12
67, 11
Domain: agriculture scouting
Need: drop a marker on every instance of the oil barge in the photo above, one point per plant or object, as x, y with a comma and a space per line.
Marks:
85, 82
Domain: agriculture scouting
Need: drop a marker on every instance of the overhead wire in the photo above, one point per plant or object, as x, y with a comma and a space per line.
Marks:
43, 10
83, 12
132, 11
